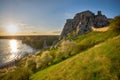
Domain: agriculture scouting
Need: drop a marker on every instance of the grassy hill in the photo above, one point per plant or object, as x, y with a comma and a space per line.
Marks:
91, 56
100, 62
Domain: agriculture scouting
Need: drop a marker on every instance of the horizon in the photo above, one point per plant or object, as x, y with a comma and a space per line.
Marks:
31, 34
33, 17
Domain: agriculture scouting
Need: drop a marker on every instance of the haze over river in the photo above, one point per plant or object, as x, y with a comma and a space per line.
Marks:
11, 49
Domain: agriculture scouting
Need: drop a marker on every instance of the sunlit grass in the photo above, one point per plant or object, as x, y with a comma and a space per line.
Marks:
97, 63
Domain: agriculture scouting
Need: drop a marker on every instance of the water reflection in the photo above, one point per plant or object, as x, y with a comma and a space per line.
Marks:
11, 49
13, 46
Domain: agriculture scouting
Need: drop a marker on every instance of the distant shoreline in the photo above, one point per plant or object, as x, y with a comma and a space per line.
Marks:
22, 36
30, 35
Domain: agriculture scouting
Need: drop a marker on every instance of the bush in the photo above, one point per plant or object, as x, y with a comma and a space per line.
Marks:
30, 63
18, 74
46, 57
115, 24
66, 49
3, 72
39, 62
43, 60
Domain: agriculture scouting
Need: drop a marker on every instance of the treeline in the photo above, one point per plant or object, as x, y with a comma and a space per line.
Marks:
38, 42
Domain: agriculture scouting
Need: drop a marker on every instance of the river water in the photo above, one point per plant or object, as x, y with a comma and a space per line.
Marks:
11, 49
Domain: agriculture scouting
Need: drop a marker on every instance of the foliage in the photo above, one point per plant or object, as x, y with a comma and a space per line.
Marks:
39, 62
31, 63
66, 49
97, 63
38, 41
69, 48
71, 35
3, 72
88, 40
18, 74
43, 60
115, 24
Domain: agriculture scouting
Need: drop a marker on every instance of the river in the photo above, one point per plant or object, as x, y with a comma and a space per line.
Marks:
11, 49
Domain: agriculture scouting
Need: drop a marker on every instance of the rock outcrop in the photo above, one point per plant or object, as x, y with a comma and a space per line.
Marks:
82, 23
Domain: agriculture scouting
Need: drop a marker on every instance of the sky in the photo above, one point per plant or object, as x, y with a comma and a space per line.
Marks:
47, 17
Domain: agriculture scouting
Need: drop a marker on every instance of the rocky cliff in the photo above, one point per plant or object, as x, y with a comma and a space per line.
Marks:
83, 22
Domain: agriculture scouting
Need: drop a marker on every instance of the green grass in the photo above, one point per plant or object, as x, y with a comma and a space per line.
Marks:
97, 63
78, 63
90, 39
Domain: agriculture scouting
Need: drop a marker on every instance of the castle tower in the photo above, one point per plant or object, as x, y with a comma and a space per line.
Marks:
99, 13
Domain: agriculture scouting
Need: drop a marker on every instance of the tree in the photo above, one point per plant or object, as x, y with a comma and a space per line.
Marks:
115, 24
43, 60
31, 63
66, 49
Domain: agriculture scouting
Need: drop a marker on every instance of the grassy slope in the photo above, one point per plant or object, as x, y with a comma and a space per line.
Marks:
91, 39
98, 63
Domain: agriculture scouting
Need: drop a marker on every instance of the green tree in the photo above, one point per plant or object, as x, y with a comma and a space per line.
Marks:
43, 60
115, 24
31, 63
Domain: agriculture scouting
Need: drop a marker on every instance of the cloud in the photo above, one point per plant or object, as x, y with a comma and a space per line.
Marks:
26, 28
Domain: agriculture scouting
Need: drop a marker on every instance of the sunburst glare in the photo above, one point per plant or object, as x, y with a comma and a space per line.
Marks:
12, 29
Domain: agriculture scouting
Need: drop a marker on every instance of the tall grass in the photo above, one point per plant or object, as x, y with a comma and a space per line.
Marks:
98, 63
18, 74
67, 49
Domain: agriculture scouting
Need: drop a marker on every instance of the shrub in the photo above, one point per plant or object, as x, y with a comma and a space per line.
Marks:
39, 62
115, 24
46, 57
18, 74
77, 49
3, 72
66, 49
30, 63
43, 60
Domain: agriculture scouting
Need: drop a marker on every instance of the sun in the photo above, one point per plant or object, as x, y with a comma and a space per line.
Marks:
12, 29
